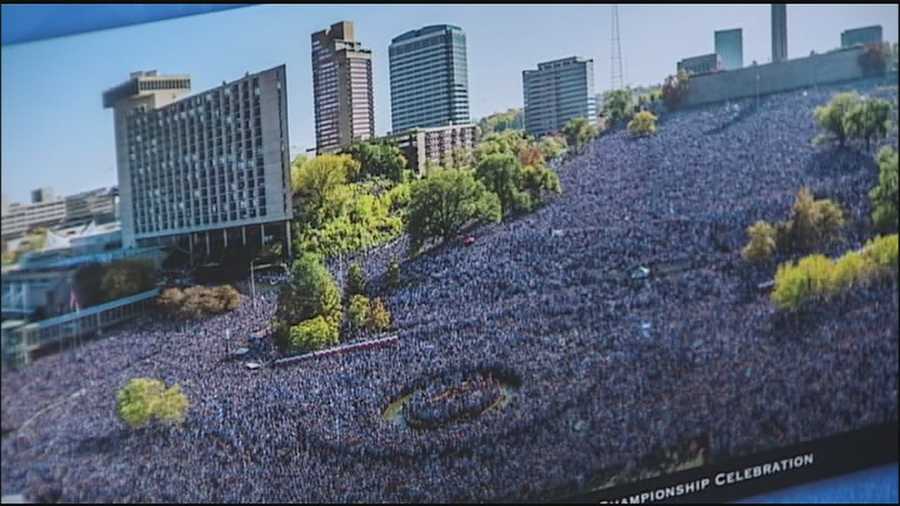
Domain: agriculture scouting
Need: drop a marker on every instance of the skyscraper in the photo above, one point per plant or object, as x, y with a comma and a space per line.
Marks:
730, 48
216, 161
429, 78
779, 32
342, 88
557, 92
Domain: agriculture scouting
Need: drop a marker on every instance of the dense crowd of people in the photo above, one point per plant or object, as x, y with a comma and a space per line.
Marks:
451, 398
609, 369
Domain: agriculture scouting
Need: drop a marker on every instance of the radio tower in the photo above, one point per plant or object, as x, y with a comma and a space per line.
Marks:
616, 75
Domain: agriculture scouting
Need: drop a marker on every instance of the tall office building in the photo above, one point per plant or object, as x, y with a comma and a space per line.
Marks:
216, 161
730, 48
429, 78
779, 32
342, 88
865, 35
557, 92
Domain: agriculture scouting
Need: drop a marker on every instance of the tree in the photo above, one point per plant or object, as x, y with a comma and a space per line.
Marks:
378, 159
552, 146
797, 284
508, 142
501, 174
356, 281
578, 132
537, 180
868, 119
126, 277
643, 123
762, 242
87, 280
441, 204
885, 200
364, 220
310, 293
873, 59
675, 89
320, 185
512, 119
358, 311
617, 107
143, 399
313, 334
814, 223
379, 316
830, 117
198, 301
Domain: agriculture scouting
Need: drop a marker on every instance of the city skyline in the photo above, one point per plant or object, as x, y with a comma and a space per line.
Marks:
38, 109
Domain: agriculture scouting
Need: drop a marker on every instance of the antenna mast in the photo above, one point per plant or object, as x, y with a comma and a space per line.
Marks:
616, 74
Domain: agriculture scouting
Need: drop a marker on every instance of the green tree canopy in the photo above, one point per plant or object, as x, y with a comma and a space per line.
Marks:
320, 185
512, 119
830, 117
508, 142
358, 311
762, 242
379, 316
356, 281
312, 335
578, 132
868, 119
617, 107
363, 221
143, 399
552, 146
127, 277
310, 293
885, 200
502, 174
444, 202
643, 123
378, 159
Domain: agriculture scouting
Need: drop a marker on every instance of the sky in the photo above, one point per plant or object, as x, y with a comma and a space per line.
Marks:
56, 133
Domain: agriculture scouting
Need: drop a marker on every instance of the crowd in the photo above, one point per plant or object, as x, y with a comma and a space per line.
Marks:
609, 370
454, 397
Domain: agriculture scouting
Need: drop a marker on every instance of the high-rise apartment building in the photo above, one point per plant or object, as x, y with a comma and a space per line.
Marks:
429, 78
557, 92
779, 32
730, 48
342, 88
438, 145
212, 167
864, 35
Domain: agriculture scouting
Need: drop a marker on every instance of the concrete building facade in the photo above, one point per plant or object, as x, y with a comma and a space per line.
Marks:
438, 145
730, 48
779, 32
818, 69
343, 96
702, 64
864, 35
53, 212
557, 92
429, 78
20, 218
217, 161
